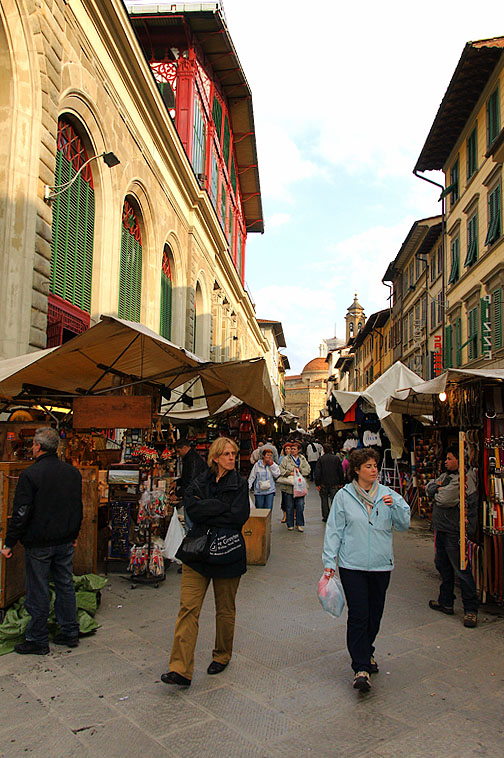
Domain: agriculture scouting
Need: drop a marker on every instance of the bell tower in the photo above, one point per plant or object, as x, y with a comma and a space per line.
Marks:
355, 319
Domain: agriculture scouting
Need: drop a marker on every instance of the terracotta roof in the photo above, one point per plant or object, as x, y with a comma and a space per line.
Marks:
292, 376
476, 64
317, 364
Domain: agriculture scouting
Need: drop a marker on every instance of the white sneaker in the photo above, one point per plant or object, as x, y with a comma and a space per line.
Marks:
300, 528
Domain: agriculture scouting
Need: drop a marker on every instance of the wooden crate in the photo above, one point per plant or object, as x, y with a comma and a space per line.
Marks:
12, 570
257, 535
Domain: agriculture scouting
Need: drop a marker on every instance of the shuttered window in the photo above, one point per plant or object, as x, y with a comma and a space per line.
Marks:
130, 273
226, 141
448, 348
472, 333
73, 222
454, 271
472, 241
472, 153
239, 255
493, 117
217, 118
233, 175
231, 221
494, 216
454, 181
165, 320
496, 318
199, 139
458, 342
214, 184
223, 205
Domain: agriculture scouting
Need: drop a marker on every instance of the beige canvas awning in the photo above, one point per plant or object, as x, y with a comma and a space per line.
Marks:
92, 362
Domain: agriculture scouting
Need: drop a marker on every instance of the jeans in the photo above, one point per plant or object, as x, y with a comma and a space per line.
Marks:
294, 504
327, 493
365, 596
312, 472
264, 501
447, 562
188, 524
40, 562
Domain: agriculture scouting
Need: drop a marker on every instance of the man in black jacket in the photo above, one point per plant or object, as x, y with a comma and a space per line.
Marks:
329, 477
46, 519
192, 465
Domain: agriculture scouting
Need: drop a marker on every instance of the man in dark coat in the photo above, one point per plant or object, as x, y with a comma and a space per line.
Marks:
46, 519
329, 478
192, 465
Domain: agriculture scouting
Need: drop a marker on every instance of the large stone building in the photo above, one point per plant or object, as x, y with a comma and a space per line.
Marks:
159, 237
305, 393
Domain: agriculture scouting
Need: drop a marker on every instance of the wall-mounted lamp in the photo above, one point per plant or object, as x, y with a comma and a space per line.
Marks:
442, 397
109, 159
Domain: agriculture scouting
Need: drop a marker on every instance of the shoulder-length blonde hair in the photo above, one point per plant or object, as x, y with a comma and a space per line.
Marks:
217, 448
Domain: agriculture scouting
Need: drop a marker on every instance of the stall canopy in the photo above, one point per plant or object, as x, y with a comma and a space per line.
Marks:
377, 394
417, 400
92, 362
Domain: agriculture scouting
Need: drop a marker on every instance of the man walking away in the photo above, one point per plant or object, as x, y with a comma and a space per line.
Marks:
314, 451
192, 465
329, 477
445, 494
46, 519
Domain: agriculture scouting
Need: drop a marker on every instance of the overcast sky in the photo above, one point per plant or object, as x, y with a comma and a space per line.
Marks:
344, 96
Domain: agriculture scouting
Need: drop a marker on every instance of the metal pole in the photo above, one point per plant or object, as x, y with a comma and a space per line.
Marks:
463, 562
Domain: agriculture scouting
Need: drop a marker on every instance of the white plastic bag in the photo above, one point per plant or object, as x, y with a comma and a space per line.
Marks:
174, 536
331, 595
300, 486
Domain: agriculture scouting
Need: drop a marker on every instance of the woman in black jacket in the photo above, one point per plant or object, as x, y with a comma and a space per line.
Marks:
216, 500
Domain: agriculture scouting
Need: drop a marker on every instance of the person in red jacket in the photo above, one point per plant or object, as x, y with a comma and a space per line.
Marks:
46, 519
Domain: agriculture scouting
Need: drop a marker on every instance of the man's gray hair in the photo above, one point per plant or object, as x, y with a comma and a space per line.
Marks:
47, 438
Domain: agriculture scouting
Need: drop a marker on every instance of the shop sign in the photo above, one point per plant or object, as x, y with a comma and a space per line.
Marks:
438, 355
371, 438
113, 412
486, 328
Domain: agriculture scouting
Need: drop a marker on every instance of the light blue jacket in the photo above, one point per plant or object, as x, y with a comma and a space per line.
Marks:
362, 541
259, 473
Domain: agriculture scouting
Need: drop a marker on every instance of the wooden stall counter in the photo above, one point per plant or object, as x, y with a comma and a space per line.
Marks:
257, 535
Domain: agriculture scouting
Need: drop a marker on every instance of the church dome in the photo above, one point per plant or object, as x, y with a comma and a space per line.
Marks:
317, 364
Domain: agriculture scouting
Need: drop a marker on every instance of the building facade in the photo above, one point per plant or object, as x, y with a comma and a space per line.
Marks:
306, 393
466, 142
131, 180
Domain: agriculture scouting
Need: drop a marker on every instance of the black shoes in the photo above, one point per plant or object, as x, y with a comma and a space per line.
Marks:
60, 639
373, 665
361, 681
173, 678
441, 608
216, 668
30, 647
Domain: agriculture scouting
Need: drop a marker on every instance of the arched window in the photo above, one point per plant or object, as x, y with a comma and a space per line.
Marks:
350, 329
166, 294
72, 222
198, 321
130, 273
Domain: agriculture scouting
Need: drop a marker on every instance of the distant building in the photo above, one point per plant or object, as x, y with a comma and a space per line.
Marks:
305, 393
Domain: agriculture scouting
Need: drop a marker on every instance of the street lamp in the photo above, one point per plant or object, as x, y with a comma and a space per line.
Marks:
109, 159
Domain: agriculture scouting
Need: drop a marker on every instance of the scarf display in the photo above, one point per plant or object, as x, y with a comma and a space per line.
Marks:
366, 498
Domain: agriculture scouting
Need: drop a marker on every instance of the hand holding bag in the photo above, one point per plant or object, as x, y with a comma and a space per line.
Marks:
288, 480
173, 539
331, 595
300, 488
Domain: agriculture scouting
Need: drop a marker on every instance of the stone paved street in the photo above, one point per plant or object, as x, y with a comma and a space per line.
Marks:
287, 692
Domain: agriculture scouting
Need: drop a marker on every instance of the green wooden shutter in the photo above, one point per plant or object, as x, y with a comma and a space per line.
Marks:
239, 257
496, 309
226, 141
472, 241
458, 342
472, 324
448, 362
215, 181
233, 175
454, 182
230, 229
223, 204
72, 236
199, 139
493, 118
454, 272
130, 267
494, 216
217, 118
166, 307
472, 153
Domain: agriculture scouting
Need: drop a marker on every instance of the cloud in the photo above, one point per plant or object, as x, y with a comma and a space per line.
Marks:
278, 219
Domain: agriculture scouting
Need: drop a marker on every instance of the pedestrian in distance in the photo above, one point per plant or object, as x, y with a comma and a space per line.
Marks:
46, 519
314, 451
295, 462
217, 502
329, 478
358, 539
286, 450
192, 465
445, 494
262, 479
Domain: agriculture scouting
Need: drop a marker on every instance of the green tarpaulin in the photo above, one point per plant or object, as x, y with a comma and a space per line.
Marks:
87, 589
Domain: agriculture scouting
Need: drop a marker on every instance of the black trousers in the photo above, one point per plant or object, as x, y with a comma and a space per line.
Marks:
447, 562
365, 596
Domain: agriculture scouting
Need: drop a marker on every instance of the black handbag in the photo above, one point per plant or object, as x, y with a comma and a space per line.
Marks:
195, 546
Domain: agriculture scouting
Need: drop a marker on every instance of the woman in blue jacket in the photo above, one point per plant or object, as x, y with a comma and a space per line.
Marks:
359, 538
262, 479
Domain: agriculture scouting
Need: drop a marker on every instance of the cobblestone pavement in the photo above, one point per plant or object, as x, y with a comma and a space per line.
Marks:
287, 691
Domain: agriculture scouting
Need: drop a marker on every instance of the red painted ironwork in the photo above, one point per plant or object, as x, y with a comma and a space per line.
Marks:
165, 71
166, 266
130, 221
72, 148
64, 319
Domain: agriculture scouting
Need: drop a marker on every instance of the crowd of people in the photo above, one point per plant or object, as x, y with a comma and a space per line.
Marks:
360, 515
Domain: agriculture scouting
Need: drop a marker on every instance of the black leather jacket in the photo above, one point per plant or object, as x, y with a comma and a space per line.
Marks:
47, 504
